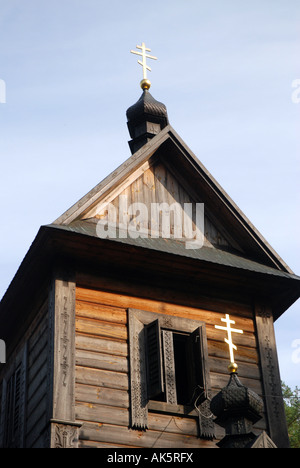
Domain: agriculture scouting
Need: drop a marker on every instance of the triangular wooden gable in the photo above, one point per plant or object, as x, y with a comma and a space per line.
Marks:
166, 171
154, 187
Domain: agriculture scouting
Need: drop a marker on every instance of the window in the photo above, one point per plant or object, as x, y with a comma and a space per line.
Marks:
13, 404
168, 368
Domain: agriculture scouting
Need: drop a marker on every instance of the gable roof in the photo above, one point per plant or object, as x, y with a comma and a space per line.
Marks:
174, 153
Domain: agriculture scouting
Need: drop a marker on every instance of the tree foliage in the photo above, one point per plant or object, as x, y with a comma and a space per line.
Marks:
292, 411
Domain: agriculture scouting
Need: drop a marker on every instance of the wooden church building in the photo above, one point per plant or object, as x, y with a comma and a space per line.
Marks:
114, 321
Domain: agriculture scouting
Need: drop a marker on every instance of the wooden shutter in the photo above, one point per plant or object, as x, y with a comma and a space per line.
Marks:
12, 433
154, 360
199, 382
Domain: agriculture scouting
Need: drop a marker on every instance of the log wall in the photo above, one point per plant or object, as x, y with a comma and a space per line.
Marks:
102, 379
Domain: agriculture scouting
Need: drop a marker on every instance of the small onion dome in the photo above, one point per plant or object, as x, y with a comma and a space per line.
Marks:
146, 118
236, 400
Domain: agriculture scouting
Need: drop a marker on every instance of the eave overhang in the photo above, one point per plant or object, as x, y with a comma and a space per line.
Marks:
78, 250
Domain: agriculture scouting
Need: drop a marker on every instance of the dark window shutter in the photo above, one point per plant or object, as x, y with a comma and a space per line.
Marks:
13, 409
199, 384
14, 404
154, 361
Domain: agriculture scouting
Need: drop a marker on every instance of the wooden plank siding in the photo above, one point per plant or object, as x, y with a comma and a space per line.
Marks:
102, 379
37, 384
157, 184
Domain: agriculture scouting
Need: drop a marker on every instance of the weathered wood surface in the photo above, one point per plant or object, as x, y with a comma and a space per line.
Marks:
37, 384
111, 294
156, 184
151, 439
102, 389
270, 376
62, 321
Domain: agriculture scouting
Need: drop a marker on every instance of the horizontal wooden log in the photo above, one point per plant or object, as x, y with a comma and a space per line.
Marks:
95, 327
218, 381
111, 433
160, 300
101, 312
102, 388
101, 361
85, 444
211, 318
245, 370
121, 417
102, 378
101, 345
217, 349
101, 395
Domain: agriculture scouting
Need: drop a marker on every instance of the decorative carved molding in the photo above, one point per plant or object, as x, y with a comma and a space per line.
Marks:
170, 381
275, 413
65, 319
64, 434
65, 437
206, 421
137, 320
62, 346
138, 382
272, 377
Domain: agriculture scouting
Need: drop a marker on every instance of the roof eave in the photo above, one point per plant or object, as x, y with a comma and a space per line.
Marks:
54, 244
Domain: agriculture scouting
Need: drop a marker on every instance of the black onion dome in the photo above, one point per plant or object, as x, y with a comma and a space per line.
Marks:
147, 106
236, 398
146, 118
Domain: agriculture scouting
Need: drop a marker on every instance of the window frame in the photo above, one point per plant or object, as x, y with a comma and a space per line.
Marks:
140, 405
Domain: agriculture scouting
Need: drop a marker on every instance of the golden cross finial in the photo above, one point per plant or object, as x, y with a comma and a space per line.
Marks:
145, 83
233, 366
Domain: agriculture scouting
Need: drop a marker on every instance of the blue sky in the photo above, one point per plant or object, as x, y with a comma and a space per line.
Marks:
225, 73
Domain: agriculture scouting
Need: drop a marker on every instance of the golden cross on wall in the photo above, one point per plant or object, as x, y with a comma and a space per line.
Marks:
145, 83
233, 366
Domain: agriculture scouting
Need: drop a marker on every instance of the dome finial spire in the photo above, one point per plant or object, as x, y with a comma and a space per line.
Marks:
145, 83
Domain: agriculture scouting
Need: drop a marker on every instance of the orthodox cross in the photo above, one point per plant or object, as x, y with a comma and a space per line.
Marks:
145, 83
233, 366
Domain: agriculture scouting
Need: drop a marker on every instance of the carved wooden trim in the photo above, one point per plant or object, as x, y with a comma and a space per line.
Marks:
275, 413
62, 346
64, 434
170, 381
206, 420
137, 319
138, 381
